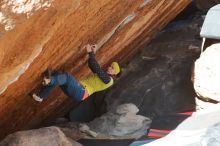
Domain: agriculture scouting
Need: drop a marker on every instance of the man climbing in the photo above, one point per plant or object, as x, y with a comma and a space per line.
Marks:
79, 90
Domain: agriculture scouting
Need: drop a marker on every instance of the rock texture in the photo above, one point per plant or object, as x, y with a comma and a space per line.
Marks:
211, 137
35, 35
121, 122
51, 136
207, 73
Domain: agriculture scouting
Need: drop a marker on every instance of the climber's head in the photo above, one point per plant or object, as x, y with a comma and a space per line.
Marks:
113, 69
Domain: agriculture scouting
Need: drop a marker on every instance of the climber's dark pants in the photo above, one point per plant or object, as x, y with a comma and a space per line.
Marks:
70, 86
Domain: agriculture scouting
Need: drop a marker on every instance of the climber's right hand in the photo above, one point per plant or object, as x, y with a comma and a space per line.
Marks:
91, 48
94, 47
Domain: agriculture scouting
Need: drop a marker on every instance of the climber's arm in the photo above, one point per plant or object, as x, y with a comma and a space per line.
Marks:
94, 66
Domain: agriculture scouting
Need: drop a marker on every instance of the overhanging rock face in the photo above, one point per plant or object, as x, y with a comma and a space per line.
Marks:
51, 33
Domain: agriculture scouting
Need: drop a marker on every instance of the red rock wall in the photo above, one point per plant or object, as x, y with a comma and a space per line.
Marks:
52, 33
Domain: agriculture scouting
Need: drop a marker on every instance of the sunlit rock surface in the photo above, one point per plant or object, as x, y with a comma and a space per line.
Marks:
211, 137
35, 35
207, 73
11, 10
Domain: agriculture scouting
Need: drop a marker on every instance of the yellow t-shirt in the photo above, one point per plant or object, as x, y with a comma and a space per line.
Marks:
94, 84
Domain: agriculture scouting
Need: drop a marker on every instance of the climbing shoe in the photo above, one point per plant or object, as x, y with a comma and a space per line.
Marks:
46, 77
37, 98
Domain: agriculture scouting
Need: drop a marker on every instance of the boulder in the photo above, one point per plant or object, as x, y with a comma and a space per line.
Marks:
207, 73
50, 136
122, 122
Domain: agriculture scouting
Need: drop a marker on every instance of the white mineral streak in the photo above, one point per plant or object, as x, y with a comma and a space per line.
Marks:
18, 71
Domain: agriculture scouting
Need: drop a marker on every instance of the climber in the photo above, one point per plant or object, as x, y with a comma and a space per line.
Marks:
79, 90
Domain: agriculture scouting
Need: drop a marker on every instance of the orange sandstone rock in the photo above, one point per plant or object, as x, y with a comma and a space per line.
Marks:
37, 35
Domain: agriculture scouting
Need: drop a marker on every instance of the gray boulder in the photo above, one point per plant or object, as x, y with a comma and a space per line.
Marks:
121, 122
49, 136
